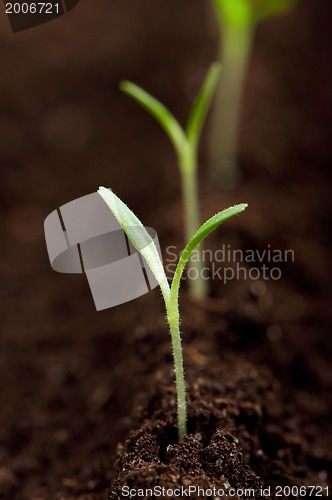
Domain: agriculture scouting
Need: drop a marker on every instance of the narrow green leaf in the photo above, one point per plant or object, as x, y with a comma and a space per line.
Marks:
198, 237
201, 105
243, 13
270, 8
160, 113
138, 236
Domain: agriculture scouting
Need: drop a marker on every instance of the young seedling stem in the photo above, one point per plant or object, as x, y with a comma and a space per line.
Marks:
144, 244
237, 21
185, 143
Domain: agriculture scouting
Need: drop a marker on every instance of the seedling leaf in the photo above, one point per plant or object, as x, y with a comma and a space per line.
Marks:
201, 105
199, 236
138, 236
243, 13
270, 8
163, 116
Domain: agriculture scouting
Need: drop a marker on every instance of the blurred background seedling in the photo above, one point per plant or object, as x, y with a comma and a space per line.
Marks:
237, 20
185, 142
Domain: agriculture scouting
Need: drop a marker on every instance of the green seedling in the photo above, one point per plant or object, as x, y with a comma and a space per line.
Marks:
185, 143
237, 21
144, 244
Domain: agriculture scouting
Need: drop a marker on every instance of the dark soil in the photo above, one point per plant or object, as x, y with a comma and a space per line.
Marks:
76, 383
240, 435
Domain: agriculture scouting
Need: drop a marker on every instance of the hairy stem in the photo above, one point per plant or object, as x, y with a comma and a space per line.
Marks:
174, 323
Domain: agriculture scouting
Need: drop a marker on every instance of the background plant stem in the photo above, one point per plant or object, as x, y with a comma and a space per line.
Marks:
235, 49
198, 286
